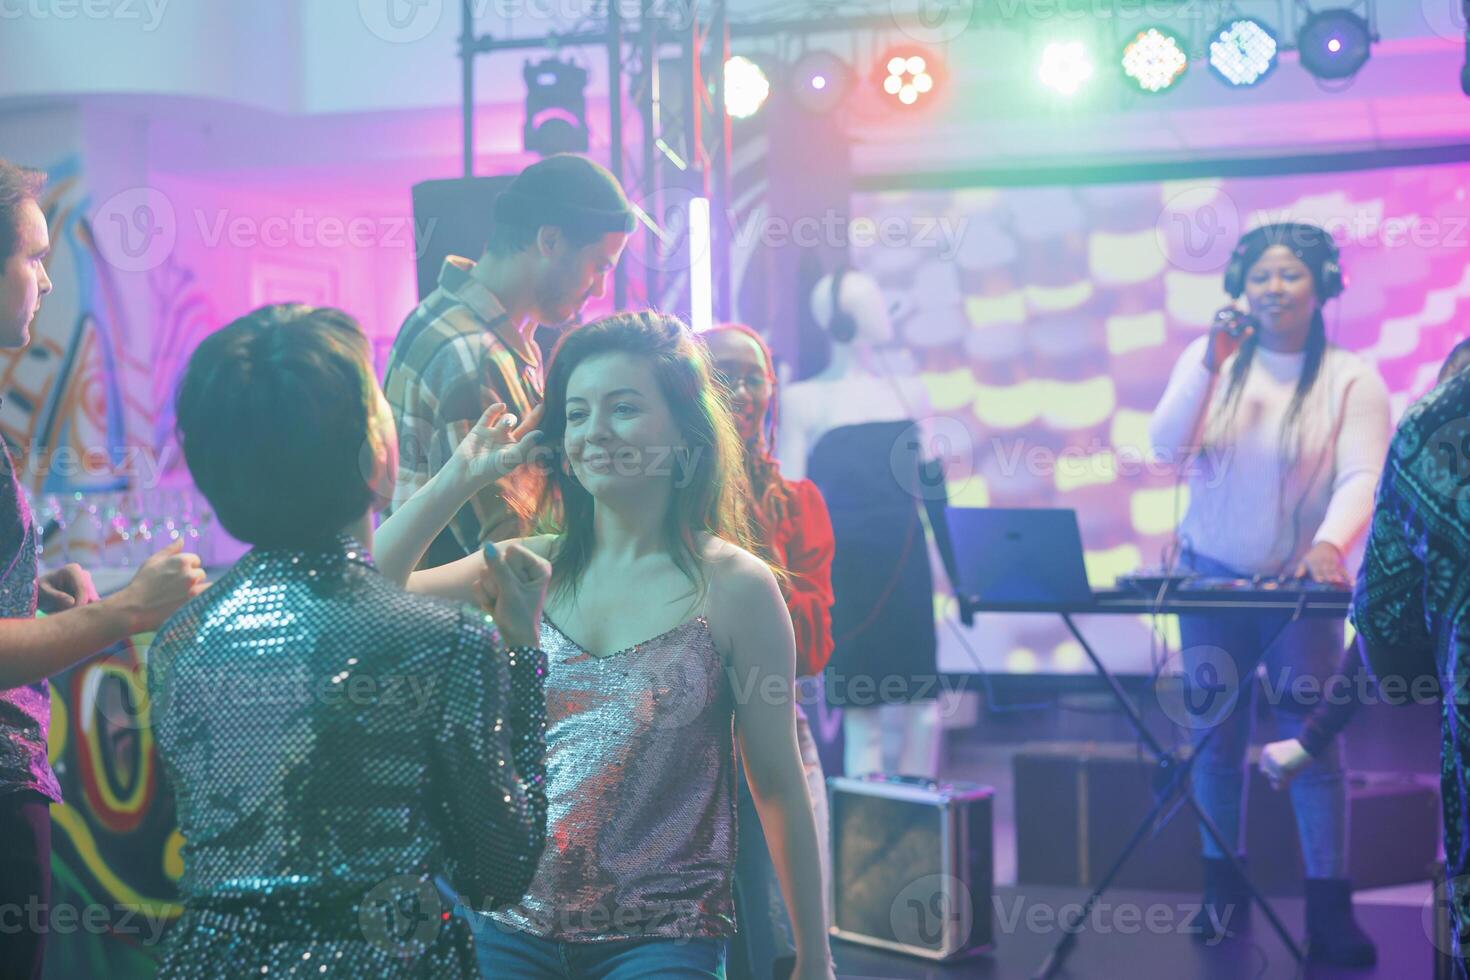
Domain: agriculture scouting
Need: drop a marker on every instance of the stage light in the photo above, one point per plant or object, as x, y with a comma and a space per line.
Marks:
556, 108
908, 75
1334, 44
820, 81
1243, 51
746, 87
1154, 60
1065, 66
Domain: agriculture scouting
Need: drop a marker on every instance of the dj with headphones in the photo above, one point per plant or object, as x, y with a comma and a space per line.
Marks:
1281, 437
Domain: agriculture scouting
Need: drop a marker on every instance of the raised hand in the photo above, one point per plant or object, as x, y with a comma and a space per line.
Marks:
165, 582
514, 588
1222, 342
497, 444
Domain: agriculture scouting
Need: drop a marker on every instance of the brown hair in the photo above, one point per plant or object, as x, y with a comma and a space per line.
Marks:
710, 490
17, 185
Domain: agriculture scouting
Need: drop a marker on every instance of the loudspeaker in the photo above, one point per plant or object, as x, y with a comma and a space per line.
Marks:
1077, 803
452, 217
912, 865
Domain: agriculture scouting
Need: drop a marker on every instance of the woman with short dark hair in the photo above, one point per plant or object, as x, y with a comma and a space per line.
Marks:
334, 742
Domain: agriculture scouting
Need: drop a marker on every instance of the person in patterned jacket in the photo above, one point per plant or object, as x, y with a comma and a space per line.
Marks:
1411, 606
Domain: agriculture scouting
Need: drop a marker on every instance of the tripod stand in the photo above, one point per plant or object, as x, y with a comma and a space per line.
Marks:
1170, 779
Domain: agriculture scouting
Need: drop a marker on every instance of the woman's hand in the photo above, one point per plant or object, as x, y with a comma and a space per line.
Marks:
1323, 563
1222, 343
514, 588
1281, 761
496, 445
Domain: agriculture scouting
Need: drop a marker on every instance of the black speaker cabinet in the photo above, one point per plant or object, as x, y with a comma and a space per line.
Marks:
1078, 802
452, 217
911, 865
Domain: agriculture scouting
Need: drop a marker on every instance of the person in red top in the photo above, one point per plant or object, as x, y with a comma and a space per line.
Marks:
794, 534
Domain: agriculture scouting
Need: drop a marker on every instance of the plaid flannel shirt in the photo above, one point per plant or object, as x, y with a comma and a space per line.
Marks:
456, 355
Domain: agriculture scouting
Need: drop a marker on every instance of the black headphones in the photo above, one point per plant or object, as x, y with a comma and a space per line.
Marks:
1329, 285
841, 325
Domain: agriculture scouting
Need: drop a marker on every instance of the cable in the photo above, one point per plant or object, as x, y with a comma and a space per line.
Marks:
991, 704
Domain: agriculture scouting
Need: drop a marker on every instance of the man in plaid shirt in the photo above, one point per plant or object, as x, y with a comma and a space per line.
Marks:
559, 230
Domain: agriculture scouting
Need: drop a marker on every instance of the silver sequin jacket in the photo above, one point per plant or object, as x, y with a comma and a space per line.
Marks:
336, 744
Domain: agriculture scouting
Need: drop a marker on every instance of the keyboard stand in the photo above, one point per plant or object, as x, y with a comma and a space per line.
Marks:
1171, 774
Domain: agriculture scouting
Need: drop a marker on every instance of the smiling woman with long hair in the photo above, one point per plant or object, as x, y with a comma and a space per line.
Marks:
667, 642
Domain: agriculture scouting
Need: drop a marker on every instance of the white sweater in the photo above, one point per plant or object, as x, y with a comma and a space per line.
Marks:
1251, 505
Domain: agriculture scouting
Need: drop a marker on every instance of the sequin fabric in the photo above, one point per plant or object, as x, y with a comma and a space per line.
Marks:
640, 765
336, 743
25, 712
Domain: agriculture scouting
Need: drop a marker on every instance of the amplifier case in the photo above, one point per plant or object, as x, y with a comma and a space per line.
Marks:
912, 865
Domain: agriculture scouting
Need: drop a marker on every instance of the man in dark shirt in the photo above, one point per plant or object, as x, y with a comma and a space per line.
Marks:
31, 649
1412, 604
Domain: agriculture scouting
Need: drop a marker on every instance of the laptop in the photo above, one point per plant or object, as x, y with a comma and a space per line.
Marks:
1029, 556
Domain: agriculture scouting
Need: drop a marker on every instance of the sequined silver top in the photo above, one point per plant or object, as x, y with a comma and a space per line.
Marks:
335, 743
640, 764
25, 712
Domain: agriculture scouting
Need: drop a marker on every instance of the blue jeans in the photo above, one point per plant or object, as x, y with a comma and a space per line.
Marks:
1307, 648
506, 954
